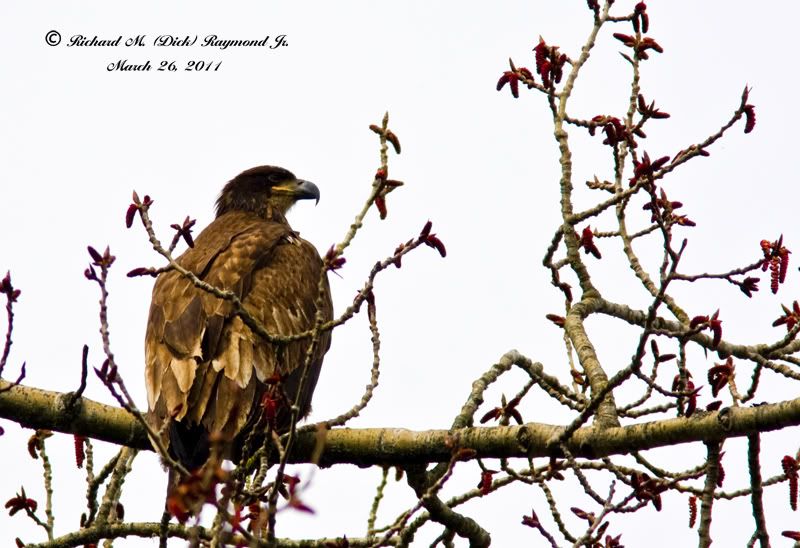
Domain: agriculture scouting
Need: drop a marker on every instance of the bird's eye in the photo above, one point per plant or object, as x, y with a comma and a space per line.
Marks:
274, 178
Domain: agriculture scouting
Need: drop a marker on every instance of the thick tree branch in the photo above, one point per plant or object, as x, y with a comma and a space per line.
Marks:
36, 408
151, 530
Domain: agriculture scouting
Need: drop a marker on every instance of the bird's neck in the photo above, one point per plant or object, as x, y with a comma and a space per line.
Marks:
267, 211
275, 214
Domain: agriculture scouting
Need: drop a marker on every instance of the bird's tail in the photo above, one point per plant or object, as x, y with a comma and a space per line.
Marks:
189, 444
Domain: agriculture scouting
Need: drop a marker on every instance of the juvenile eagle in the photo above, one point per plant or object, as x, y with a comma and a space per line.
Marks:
206, 371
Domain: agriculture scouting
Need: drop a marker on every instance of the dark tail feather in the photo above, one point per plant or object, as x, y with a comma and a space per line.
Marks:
188, 444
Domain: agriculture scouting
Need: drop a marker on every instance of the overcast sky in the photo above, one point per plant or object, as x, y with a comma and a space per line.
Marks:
76, 139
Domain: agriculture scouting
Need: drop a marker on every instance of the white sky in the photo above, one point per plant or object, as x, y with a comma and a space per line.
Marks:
76, 139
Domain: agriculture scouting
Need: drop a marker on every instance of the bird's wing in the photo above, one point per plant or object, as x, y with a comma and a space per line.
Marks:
200, 358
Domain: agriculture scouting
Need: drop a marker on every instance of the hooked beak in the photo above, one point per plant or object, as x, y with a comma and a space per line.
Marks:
298, 189
306, 190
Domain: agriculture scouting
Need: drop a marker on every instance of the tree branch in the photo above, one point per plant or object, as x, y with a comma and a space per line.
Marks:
151, 530
36, 408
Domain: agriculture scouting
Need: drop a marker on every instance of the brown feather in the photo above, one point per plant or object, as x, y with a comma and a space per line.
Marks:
203, 364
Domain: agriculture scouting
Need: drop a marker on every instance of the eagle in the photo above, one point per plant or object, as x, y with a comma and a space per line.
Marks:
206, 372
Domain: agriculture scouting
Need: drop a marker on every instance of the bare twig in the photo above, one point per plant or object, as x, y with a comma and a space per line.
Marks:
754, 468
707, 502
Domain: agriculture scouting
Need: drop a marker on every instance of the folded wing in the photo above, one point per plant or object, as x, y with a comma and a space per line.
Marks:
204, 367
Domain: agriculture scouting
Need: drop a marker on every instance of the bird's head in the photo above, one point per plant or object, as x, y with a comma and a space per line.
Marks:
263, 189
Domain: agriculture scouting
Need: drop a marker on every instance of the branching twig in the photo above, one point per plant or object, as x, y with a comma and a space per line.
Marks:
712, 477
754, 468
